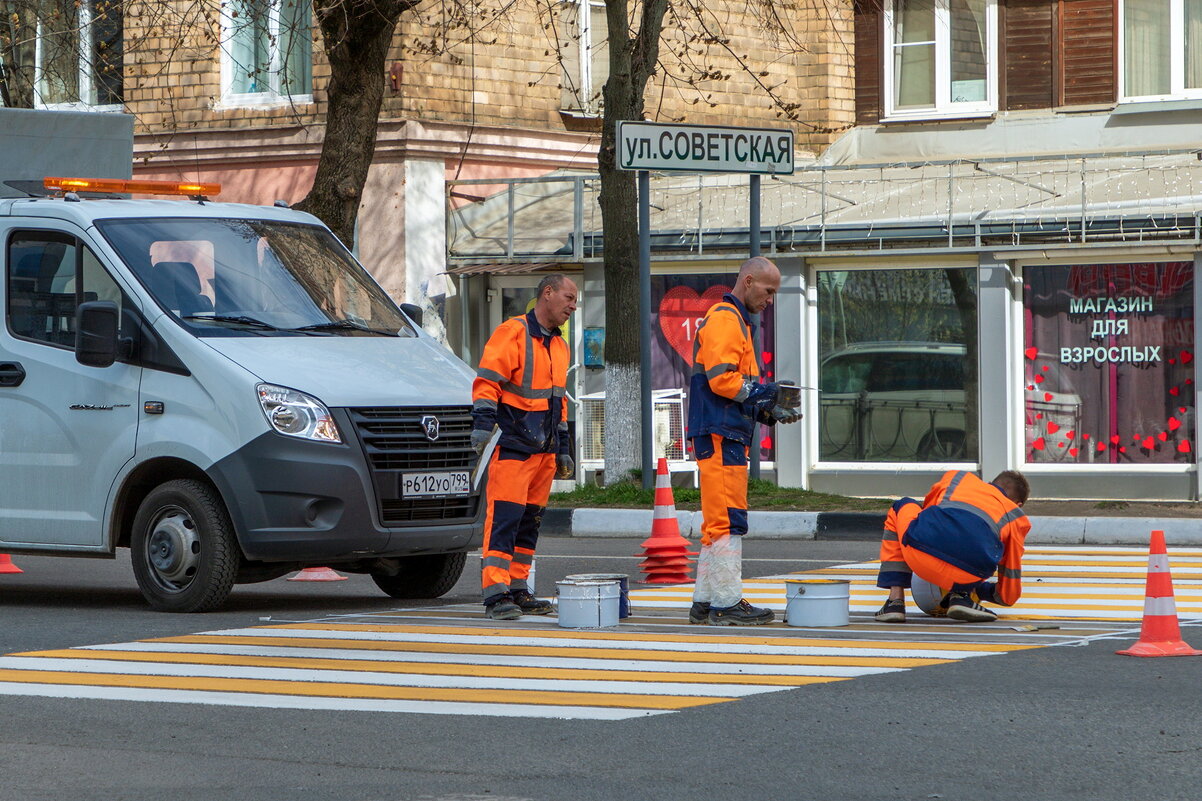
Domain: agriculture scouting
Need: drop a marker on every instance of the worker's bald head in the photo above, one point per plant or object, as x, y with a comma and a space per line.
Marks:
756, 286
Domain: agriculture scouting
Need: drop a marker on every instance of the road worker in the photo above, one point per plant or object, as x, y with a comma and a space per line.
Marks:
520, 389
725, 400
964, 532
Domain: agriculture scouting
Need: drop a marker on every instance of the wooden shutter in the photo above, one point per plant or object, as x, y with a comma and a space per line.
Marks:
1088, 51
868, 66
1028, 74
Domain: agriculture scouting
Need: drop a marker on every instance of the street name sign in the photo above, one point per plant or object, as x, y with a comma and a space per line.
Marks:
704, 148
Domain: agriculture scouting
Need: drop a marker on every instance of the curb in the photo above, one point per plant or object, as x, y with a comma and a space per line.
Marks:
636, 523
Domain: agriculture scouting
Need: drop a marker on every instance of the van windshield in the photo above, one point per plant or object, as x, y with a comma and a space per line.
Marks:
254, 278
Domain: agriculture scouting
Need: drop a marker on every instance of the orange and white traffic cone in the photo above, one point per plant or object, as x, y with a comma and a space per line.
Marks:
1160, 634
666, 553
317, 574
7, 566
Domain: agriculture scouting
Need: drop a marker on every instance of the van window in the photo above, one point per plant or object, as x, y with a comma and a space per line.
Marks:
49, 275
844, 374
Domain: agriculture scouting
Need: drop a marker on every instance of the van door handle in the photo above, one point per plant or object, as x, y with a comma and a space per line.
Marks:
11, 374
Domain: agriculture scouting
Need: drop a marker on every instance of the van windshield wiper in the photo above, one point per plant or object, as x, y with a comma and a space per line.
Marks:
240, 319
345, 325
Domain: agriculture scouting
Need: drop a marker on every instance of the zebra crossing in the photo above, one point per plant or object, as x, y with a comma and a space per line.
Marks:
452, 661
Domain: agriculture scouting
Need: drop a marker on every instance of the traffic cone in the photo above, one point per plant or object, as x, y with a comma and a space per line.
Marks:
317, 574
7, 566
1160, 634
665, 553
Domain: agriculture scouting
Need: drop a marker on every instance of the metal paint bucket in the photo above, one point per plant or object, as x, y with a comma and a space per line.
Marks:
587, 604
817, 602
623, 584
788, 395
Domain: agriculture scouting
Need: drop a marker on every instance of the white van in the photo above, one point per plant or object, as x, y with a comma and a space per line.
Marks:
224, 390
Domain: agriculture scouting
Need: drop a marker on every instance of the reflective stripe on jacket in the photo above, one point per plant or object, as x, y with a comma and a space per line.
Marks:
723, 365
972, 525
520, 386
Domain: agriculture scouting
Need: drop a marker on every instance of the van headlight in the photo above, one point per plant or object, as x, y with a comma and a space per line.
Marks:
297, 414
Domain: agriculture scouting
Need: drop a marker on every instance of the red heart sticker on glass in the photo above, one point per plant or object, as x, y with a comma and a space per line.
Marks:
766, 356
1047, 396
1070, 434
1115, 439
1183, 446
1180, 410
1122, 449
1101, 446
1072, 452
1172, 361
1149, 443
1174, 424
1046, 368
1038, 379
680, 311
1136, 437
1038, 444
1059, 444
1174, 391
1085, 436
1162, 436
1186, 357
1031, 353
1052, 427
1189, 381
1039, 415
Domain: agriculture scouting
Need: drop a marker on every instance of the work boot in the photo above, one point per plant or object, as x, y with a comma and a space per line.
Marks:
699, 612
741, 614
502, 609
894, 611
529, 604
961, 606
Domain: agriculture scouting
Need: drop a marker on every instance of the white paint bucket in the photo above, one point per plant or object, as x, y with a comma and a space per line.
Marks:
623, 588
587, 604
817, 602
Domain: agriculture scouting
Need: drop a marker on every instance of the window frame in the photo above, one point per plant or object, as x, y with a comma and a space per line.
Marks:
1177, 88
274, 96
85, 52
943, 107
585, 99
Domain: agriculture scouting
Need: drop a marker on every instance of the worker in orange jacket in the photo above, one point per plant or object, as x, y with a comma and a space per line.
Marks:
964, 532
726, 399
520, 388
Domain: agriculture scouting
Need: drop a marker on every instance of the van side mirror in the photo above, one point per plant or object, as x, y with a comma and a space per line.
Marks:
96, 328
413, 312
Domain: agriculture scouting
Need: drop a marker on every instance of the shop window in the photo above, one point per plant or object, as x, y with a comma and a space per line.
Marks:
1162, 49
1109, 363
583, 54
268, 51
897, 375
940, 57
679, 304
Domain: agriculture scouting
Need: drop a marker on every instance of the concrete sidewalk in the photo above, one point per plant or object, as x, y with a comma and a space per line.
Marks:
1045, 530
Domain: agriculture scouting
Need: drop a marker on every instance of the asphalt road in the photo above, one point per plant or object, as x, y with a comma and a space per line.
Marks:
1049, 723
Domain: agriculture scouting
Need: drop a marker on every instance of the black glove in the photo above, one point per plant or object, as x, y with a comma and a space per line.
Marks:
780, 414
480, 439
565, 466
760, 397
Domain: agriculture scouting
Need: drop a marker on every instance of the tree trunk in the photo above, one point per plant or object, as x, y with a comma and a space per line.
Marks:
355, 36
631, 63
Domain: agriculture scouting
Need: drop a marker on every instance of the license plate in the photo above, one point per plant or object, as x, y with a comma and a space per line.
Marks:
431, 485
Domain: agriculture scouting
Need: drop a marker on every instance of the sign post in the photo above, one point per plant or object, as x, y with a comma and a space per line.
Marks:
647, 146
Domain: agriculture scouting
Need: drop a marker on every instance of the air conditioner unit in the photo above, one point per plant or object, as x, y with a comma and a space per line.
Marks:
667, 427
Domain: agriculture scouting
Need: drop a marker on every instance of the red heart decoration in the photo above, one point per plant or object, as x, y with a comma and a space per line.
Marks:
1039, 415
1174, 391
766, 356
766, 443
1085, 436
1072, 452
1180, 410
1059, 444
1030, 387
1189, 381
1163, 436
1046, 368
1186, 357
1052, 427
1047, 396
1071, 434
1031, 353
1122, 449
1183, 446
1101, 446
1038, 379
1038, 444
680, 311
1172, 361
1136, 437
1174, 424
1115, 439
1149, 443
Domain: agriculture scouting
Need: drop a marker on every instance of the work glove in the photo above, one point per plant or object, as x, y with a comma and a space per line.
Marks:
565, 466
782, 415
480, 439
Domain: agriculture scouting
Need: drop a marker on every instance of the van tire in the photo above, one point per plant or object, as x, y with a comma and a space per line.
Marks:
430, 576
185, 555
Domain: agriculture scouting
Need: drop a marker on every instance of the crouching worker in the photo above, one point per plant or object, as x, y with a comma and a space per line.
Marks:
963, 532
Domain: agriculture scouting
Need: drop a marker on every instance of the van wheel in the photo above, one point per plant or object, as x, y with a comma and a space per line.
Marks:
942, 446
430, 576
185, 556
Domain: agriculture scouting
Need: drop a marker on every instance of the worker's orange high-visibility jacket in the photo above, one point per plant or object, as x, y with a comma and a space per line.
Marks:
520, 385
971, 524
724, 388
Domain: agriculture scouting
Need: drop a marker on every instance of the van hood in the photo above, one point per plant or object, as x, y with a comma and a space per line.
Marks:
354, 370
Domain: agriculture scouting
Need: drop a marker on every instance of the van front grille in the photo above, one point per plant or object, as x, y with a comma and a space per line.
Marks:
395, 440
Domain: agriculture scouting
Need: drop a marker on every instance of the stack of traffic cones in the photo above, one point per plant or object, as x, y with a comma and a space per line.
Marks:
318, 574
7, 566
1160, 634
666, 553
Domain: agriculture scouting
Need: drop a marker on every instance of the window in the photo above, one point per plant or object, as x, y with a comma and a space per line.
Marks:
49, 275
1109, 363
74, 60
941, 57
584, 52
1162, 49
268, 51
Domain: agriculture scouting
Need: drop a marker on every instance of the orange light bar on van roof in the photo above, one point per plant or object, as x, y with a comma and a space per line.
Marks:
131, 186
